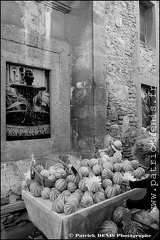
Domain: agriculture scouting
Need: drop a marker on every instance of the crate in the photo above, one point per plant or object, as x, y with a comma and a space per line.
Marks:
46, 162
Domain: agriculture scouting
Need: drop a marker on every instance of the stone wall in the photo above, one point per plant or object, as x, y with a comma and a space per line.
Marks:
28, 39
128, 64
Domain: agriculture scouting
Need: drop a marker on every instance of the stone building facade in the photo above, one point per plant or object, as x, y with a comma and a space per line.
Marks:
97, 65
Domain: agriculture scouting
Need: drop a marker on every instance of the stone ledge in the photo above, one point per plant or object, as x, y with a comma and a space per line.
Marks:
10, 208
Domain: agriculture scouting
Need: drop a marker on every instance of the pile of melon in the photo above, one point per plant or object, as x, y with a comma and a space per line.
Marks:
70, 191
145, 218
140, 221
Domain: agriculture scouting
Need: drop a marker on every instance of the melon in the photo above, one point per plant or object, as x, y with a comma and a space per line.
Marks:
133, 228
97, 169
36, 190
44, 173
117, 157
98, 197
77, 195
82, 184
138, 217
101, 190
63, 197
70, 178
144, 214
32, 185
118, 189
66, 192
110, 192
58, 165
94, 186
117, 178
155, 226
117, 215
91, 174
146, 221
85, 162
84, 171
60, 173
100, 161
92, 162
54, 194
70, 207
61, 184
106, 173
80, 192
51, 170
88, 193
127, 167
45, 192
52, 178
137, 173
108, 227
86, 201
117, 167
142, 170
73, 198
71, 186
58, 205
107, 182
108, 165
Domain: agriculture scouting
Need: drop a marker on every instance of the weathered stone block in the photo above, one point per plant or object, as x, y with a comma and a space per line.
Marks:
31, 39
12, 33
13, 176
100, 96
5, 187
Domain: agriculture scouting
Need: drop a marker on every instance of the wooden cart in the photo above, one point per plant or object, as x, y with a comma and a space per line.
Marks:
81, 224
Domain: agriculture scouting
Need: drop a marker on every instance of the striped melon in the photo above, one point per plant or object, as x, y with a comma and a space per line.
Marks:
117, 178
117, 215
71, 186
60, 173
97, 169
58, 205
98, 197
86, 201
107, 182
61, 184
110, 192
106, 173
54, 194
108, 165
70, 207
73, 198
84, 171
137, 173
82, 185
85, 162
92, 162
108, 227
117, 167
45, 192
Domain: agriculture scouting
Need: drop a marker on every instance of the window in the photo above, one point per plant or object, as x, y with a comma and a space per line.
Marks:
27, 103
149, 102
147, 23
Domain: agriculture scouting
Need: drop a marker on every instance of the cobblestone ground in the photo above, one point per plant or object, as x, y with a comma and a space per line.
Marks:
23, 232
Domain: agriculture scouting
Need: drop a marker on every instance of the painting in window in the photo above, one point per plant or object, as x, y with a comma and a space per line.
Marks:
27, 103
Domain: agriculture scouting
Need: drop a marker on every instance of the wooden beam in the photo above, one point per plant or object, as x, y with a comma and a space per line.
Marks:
12, 207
